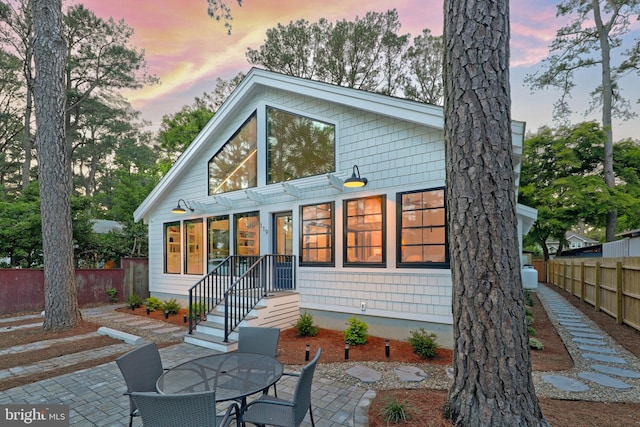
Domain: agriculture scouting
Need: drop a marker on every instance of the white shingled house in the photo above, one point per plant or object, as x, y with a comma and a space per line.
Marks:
301, 196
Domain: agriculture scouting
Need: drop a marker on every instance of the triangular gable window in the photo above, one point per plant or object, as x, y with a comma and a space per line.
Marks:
235, 166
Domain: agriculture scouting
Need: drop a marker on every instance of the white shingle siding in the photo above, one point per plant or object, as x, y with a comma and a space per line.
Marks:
398, 146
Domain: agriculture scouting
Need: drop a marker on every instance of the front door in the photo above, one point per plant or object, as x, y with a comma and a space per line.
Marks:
283, 233
283, 245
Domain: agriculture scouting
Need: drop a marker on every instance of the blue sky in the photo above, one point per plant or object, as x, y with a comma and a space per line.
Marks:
187, 50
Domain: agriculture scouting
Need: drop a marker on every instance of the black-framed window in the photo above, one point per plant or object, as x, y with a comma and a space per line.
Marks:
235, 166
172, 247
364, 232
422, 229
193, 243
298, 146
247, 233
217, 240
316, 235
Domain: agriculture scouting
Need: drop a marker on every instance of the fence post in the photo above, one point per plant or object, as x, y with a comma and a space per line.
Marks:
572, 279
598, 281
582, 282
619, 311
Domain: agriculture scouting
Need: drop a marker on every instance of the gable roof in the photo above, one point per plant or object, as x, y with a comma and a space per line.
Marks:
256, 79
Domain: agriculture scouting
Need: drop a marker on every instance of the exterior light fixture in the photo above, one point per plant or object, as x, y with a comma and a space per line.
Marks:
179, 209
355, 181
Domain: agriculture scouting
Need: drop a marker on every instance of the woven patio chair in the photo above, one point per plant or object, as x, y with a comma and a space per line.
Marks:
268, 410
259, 340
140, 368
185, 409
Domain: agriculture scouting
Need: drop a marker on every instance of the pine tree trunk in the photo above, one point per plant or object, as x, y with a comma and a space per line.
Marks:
607, 108
492, 383
61, 303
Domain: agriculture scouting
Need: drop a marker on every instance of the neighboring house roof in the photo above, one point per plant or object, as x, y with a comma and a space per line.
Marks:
573, 237
103, 226
257, 79
630, 233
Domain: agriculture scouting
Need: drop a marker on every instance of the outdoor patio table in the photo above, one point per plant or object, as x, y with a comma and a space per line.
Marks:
232, 375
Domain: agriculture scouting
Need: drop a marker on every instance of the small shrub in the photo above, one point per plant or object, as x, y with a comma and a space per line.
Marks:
423, 343
197, 309
528, 312
172, 305
112, 294
356, 333
528, 299
535, 344
134, 301
305, 327
529, 320
394, 411
152, 303
532, 332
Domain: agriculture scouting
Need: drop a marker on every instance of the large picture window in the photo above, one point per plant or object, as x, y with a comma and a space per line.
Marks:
364, 229
235, 166
194, 256
298, 146
218, 240
247, 228
422, 231
172, 244
316, 235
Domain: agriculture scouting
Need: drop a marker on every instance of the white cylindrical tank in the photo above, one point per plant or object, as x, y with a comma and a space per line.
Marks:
529, 277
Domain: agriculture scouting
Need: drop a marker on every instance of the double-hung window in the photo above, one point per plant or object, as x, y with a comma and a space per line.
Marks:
172, 247
316, 235
422, 230
364, 232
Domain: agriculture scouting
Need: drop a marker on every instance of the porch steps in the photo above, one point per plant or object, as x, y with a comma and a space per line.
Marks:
279, 310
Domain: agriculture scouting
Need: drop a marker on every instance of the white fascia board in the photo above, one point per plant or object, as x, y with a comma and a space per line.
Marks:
527, 215
224, 112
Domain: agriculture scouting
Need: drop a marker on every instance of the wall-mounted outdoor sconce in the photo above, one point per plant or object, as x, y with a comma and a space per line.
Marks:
179, 209
355, 181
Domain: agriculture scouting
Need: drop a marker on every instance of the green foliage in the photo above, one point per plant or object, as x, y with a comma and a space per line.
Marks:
535, 344
394, 411
198, 309
152, 303
356, 333
135, 301
561, 178
528, 298
305, 327
423, 343
112, 294
368, 53
531, 331
172, 305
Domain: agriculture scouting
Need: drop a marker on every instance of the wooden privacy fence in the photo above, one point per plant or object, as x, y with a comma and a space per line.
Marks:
611, 285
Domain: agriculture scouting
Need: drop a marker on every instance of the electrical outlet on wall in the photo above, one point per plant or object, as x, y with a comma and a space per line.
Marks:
363, 306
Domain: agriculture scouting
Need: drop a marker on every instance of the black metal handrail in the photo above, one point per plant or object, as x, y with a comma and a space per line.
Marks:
239, 282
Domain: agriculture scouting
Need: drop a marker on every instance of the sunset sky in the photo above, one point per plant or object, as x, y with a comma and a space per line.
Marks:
188, 50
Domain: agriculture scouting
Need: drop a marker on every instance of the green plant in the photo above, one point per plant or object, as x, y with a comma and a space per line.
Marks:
305, 327
423, 343
528, 298
356, 333
198, 309
112, 294
172, 306
535, 344
394, 411
152, 303
134, 301
532, 332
